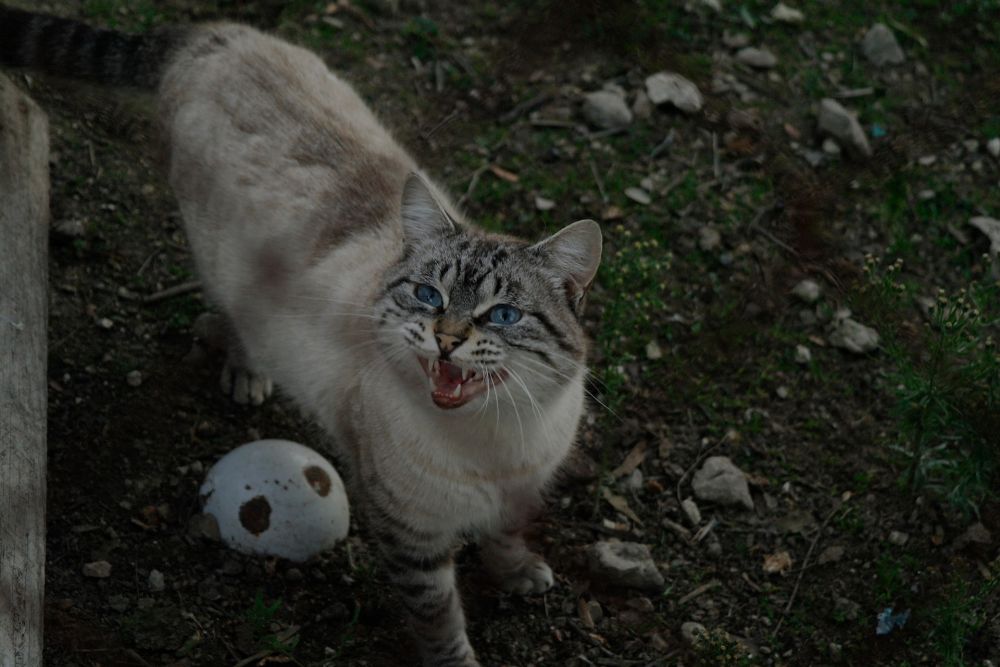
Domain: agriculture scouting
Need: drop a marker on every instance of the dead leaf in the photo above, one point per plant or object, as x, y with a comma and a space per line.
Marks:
621, 505
612, 213
631, 462
777, 563
503, 174
583, 608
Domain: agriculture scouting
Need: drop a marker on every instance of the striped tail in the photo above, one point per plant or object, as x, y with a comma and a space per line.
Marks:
73, 49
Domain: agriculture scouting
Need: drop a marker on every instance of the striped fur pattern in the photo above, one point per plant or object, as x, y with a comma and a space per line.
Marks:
73, 49
314, 231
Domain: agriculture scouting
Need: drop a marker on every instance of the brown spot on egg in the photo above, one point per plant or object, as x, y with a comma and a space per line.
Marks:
255, 515
318, 480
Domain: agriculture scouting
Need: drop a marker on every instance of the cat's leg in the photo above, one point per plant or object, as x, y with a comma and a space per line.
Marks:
419, 563
513, 565
239, 378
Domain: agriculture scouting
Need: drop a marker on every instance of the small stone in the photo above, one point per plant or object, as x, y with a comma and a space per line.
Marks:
713, 4
847, 610
709, 238
118, 602
134, 378
664, 87
898, 538
991, 228
977, 533
880, 46
754, 57
927, 160
204, 526
831, 555
653, 351
105, 323
718, 480
926, 195
693, 632
638, 195
658, 643
781, 392
294, 574
971, 145
853, 336
71, 229
691, 511
156, 581
735, 40
99, 569
993, 147
786, 14
831, 147
606, 110
634, 481
843, 126
802, 354
641, 604
777, 563
714, 546
543, 204
596, 612
642, 108
626, 564
807, 290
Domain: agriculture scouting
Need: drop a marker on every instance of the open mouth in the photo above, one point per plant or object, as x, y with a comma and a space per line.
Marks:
453, 386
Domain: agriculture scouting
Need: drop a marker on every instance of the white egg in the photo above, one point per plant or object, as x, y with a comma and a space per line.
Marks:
276, 498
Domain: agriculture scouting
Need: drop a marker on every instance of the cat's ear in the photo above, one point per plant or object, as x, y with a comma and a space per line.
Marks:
422, 215
576, 251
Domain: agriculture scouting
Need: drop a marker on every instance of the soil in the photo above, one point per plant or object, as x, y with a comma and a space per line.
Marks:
464, 86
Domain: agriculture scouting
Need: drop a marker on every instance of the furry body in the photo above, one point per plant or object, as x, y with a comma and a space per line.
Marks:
310, 232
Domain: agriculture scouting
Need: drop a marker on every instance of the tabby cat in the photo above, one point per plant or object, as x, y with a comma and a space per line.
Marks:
445, 363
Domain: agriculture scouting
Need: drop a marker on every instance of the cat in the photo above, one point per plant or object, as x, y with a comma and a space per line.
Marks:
445, 363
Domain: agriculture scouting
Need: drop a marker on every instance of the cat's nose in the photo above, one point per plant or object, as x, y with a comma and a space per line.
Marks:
447, 343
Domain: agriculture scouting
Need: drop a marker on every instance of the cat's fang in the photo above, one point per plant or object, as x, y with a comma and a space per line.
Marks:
458, 391
466, 372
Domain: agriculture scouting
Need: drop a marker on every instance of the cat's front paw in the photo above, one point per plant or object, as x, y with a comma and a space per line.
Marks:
532, 578
243, 384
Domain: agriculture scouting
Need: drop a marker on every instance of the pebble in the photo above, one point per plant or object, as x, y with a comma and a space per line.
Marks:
596, 612
156, 581
71, 229
693, 632
606, 110
638, 195
641, 107
118, 602
657, 642
880, 46
845, 609
641, 604
927, 160
99, 569
653, 351
853, 336
669, 87
782, 392
543, 204
831, 555
691, 511
786, 14
807, 290
626, 564
754, 57
709, 238
843, 126
735, 40
898, 538
134, 378
831, 147
993, 147
105, 323
718, 480
990, 227
971, 145
802, 354
634, 481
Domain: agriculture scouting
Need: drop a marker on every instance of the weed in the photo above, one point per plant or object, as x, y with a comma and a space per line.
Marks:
960, 616
717, 649
259, 616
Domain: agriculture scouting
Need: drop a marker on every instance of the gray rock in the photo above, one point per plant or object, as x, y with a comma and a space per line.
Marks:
641, 106
606, 109
993, 147
786, 14
638, 195
718, 480
691, 511
709, 238
843, 126
845, 609
99, 569
853, 336
802, 354
880, 46
625, 564
134, 378
807, 290
693, 632
735, 40
672, 88
990, 227
898, 538
596, 613
754, 57
544, 204
831, 147
71, 229
156, 581
831, 554
118, 602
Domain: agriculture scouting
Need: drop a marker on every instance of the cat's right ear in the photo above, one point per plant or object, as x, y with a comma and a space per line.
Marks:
422, 215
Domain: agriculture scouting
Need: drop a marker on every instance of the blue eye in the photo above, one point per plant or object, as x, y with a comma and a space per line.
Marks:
504, 314
428, 295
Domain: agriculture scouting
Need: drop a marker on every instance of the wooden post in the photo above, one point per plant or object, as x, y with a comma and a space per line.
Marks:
24, 228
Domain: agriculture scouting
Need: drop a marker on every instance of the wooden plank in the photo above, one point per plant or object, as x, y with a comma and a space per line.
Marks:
24, 224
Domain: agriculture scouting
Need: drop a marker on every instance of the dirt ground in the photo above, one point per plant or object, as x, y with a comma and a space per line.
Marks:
694, 323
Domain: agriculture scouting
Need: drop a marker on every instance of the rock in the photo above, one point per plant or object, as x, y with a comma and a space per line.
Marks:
664, 87
543, 204
714, 546
799, 521
638, 195
786, 14
927, 160
977, 533
691, 511
807, 290
853, 336
709, 238
880, 46
831, 555
642, 605
606, 109
802, 354
642, 108
99, 569
990, 227
971, 145
596, 612
71, 229
898, 538
118, 602
754, 57
693, 632
831, 147
204, 526
843, 126
993, 147
777, 563
782, 392
658, 643
134, 378
847, 610
625, 564
653, 351
712, 4
718, 480
106, 323
634, 481
735, 40
156, 581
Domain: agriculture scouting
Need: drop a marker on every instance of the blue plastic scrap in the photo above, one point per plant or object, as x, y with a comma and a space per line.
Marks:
888, 621
878, 131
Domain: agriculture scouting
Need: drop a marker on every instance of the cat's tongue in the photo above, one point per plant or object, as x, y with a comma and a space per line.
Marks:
447, 385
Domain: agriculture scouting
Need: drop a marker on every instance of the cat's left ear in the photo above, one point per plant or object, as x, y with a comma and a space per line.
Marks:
576, 251
422, 215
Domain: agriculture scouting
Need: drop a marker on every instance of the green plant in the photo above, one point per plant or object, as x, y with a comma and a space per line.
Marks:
957, 618
259, 616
